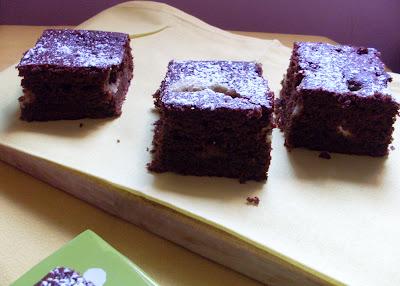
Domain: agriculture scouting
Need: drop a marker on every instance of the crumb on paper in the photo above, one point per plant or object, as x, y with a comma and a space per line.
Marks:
118, 140
80, 125
147, 149
392, 148
253, 200
325, 155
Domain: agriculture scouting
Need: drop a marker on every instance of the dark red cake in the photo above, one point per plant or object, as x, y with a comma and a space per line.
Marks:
62, 276
215, 120
72, 74
336, 99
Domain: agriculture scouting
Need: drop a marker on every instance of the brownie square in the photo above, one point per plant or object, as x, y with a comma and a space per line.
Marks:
62, 276
215, 120
72, 74
336, 99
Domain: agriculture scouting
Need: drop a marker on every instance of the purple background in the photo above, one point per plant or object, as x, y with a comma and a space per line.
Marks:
359, 22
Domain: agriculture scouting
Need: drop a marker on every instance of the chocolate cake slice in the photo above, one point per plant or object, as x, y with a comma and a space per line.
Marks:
62, 276
336, 99
215, 120
72, 74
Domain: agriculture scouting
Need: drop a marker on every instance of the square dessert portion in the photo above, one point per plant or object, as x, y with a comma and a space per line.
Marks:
336, 99
72, 74
215, 120
63, 276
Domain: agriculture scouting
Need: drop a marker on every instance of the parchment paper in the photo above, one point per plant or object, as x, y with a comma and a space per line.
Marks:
338, 217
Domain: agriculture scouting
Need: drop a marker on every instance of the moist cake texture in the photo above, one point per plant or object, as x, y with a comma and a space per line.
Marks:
215, 120
72, 74
335, 98
62, 276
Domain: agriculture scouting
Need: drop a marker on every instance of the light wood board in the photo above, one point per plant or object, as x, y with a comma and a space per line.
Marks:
317, 219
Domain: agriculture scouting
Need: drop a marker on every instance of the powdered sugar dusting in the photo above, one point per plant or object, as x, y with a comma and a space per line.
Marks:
343, 69
216, 84
77, 48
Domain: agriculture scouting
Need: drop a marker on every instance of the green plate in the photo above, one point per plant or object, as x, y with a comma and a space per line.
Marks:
92, 257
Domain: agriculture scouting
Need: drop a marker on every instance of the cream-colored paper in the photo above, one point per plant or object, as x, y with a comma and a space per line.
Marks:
338, 217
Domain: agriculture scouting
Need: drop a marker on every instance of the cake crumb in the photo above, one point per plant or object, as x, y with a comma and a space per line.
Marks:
325, 155
80, 125
118, 140
392, 148
147, 149
253, 200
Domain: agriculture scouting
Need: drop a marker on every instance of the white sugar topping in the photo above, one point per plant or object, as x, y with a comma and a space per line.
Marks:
77, 48
215, 84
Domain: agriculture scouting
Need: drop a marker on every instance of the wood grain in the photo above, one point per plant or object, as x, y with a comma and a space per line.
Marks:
195, 236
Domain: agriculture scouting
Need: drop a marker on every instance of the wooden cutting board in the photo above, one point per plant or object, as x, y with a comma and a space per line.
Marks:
318, 223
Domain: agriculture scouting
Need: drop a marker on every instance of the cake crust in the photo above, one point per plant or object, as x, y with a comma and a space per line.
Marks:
76, 49
341, 69
215, 85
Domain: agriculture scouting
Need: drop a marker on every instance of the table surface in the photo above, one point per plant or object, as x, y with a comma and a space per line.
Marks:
24, 196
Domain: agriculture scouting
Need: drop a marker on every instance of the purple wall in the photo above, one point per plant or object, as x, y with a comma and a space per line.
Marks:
358, 22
